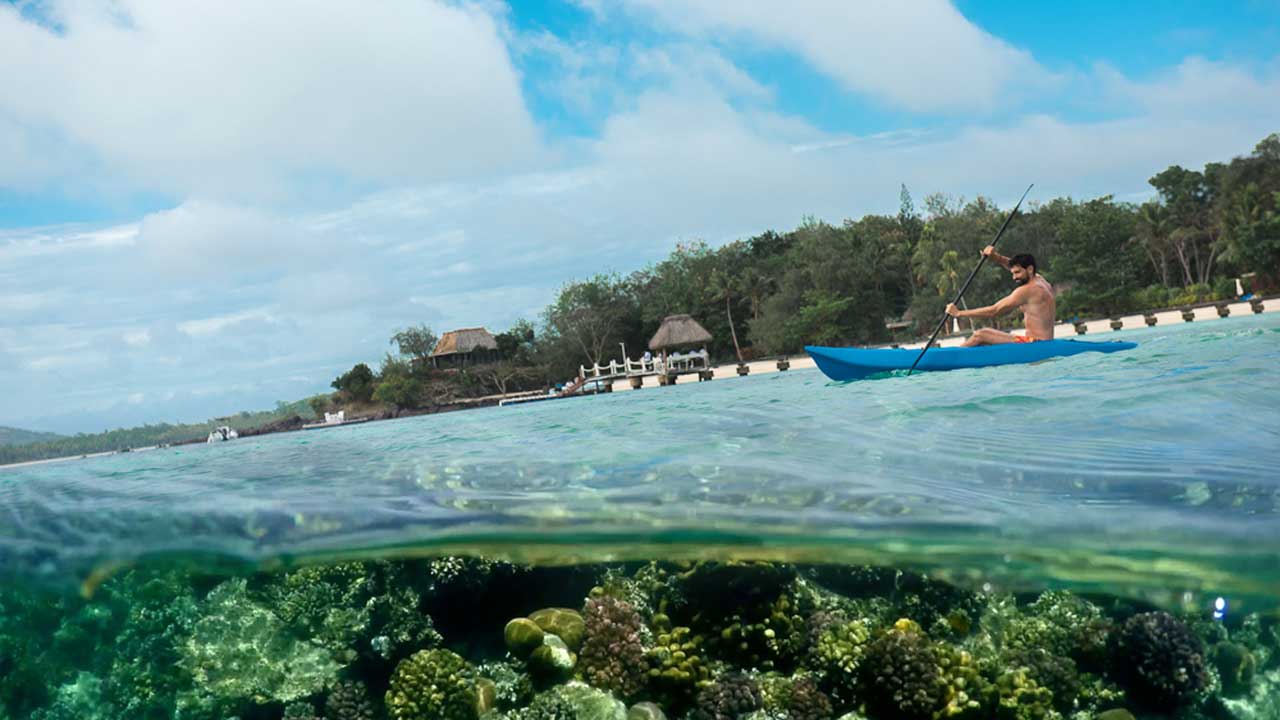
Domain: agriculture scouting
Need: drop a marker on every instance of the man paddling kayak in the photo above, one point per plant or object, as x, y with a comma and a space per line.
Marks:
1034, 295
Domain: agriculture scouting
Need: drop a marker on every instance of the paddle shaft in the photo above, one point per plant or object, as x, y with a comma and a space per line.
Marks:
969, 279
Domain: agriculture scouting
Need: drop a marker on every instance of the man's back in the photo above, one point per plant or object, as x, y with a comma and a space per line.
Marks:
1039, 310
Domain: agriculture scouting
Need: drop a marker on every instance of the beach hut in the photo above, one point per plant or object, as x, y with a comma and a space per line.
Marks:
678, 330
468, 346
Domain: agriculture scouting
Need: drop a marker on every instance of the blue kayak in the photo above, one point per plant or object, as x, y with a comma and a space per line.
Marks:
846, 363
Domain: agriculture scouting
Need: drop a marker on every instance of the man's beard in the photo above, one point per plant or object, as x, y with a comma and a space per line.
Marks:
1023, 281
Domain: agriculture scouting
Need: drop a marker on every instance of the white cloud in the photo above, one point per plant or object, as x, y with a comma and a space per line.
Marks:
1210, 89
137, 338
242, 98
922, 55
219, 323
62, 362
200, 238
13, 304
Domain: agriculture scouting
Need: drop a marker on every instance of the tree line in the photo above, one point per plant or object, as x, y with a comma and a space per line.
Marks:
146, 435
849, 284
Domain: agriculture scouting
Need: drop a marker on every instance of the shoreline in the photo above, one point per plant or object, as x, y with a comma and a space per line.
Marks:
1062, 330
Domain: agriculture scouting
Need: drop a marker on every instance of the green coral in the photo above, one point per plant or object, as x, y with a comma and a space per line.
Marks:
767, 637
240, 650
1056, 674
838, 656
432, 685
1062, 624
305, 597
343, 605
969, 695
160, 611
1022, 698
676, 666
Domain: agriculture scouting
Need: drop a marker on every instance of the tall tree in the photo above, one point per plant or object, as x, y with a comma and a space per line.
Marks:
1153, 228
591, 315
1188, 195
415, 343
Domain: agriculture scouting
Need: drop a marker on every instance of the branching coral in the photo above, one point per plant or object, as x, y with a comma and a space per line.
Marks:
348, 700
808, 702
613, 653
900, 675
1062, 624
730, 697
1160, 660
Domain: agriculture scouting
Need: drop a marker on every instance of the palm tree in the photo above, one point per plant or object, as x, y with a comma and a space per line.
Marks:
721, 285
1155, 226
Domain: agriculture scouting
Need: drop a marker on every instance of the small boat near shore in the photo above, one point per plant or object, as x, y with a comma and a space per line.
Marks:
222, 434
848, 363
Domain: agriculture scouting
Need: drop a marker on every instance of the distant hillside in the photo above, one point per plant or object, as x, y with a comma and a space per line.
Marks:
15, 436
52, 446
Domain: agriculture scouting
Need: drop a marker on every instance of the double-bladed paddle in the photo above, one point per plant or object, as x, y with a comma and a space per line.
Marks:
964, 287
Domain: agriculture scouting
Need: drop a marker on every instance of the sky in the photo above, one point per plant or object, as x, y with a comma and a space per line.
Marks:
212, 207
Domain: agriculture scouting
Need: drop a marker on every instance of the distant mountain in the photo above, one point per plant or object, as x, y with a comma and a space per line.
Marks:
14, 436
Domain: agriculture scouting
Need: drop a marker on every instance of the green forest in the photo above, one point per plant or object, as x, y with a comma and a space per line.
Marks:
826, 284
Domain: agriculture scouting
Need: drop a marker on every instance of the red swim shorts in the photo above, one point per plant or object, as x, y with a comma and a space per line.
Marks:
1023, 339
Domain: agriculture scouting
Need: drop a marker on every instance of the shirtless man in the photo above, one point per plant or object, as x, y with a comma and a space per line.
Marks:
1034, 295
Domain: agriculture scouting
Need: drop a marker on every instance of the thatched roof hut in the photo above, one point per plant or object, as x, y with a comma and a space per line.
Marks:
678, 330
465, 346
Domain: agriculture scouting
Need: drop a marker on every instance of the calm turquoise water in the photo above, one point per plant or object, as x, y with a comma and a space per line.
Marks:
1150, 473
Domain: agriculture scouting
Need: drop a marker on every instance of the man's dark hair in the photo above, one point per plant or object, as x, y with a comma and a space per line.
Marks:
1024, 260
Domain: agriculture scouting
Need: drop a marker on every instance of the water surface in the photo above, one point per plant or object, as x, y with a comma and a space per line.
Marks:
1150, 472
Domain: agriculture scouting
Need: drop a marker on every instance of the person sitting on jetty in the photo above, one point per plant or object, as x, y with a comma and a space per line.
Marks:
1034, 295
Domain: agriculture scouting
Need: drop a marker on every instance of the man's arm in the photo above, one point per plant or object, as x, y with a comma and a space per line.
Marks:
1015, 299
990, 251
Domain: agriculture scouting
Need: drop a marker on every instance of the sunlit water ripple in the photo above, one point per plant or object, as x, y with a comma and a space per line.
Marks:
1150, 472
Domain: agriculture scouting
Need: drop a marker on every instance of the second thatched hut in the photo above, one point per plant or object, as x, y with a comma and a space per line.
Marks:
678, 331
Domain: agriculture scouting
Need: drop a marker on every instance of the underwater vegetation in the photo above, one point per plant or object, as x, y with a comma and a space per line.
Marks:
470, 639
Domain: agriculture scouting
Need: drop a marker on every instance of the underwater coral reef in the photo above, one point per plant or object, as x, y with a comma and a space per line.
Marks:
472, 639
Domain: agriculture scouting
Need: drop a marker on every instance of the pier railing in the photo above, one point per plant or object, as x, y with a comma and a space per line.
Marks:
640, 368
